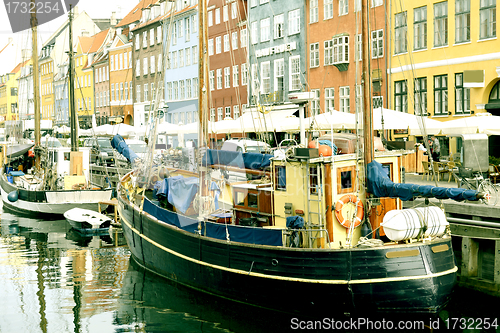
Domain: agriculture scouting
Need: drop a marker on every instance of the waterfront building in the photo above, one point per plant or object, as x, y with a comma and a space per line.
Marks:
61, 107
147, 60
227, 50
277, 52
25, 89
9, 110
46, 67
120, 80
86, 49
444, 62
334, 54
101, 87
181, 77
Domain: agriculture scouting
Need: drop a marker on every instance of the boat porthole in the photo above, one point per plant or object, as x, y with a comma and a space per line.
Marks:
274, 262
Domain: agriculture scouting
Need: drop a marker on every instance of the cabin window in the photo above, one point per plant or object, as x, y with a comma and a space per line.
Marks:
252, 200
240, 198
345, 179
246, 199
387, 167
280, 178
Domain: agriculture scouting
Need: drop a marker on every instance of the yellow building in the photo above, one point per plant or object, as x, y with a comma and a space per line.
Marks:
86, 48
46, 70
9, 109
444, 60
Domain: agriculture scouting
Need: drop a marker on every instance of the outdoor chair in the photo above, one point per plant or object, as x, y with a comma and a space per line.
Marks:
493, 173
427, 169
452, 168
439, 168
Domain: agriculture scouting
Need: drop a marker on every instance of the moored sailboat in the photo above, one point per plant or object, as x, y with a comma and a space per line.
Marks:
58, 180
295, 241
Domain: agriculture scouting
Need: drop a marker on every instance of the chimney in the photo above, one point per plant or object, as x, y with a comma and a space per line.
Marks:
113, 19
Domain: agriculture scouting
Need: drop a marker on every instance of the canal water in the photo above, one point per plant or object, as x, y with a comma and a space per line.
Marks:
54, 280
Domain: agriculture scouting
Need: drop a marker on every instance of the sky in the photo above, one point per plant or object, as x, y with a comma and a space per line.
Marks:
94, 8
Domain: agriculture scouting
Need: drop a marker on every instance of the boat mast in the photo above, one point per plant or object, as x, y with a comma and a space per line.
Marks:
366, 81
73, 121
36, 93
203, 91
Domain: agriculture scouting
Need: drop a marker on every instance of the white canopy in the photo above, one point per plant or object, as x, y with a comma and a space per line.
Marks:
402, 120
331, 120
480, 123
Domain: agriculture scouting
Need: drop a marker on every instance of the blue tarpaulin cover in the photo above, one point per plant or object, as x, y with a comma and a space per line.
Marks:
380, 185
121, 146
249, 235
179, 191
254, 161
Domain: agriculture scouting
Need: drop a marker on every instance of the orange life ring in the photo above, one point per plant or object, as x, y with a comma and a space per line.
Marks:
359, 214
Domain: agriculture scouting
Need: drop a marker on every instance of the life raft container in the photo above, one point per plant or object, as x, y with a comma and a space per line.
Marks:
359, 214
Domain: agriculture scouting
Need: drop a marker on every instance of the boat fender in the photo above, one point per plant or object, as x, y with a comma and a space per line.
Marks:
13, 196
359, 214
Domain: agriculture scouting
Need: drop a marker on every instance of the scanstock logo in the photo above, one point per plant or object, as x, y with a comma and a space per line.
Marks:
22, 12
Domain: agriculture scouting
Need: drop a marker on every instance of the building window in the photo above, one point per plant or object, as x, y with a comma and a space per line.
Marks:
152, 64
265, 71
145, 66
462, 21
279, 75
188, 29
219, 114
236, 76
294, 77
244, 74
176, 90
328, 52
243, 37
219, 78
188, 88
137, 42
210, 47
113, 92
226, 43
212, 115
462, 95
400, 29
218, 44
420, 28
227, 113
341, 49
182, 89
421, 96
158, 35
314, 55
195, 87
187, 51
144, 39
329, 99
344, 99
234, 10
376, 3
265, 29
236, 111
378, 43
401, 96
441, 23
152, 37
343, 7
294, 22
195, 54
487, 19
225, 13
315, 102
211, 80
137, 94
279, 22
313, 11
254, 33
210, 18
227, 77
146, 92
217, 15
327, 9
359, 48
234, 37
440, 95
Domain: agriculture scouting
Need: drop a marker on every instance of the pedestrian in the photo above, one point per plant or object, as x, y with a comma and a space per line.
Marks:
436, 149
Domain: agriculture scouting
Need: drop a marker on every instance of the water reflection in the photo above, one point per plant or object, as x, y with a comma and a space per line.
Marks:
54, 280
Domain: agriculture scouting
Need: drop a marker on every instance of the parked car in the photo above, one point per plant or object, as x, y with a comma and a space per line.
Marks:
245, 146
101, 152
